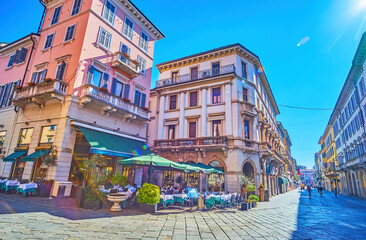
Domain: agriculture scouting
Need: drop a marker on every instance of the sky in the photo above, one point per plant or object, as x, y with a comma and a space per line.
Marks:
306, 47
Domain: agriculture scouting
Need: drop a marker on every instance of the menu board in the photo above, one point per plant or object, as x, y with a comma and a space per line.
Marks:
192, 192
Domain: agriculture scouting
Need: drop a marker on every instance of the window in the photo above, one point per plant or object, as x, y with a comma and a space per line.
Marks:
215, 68
47, 134
171, 132
128, 28
216, 95
11, 61
2, 138
246, 129
49, 41
76, 7
194, 73
94, 76
142, 65
124, 49
109, 12
117, 87
104, 39
362, 87
25, 136
192, 130
245, 94
20, 55
173, 102
61, 71
174, 77
140, 98
137, 98
216, 128
144, 40
38, 77
70, 33
244, 70
193, 99
56, 15
7, 96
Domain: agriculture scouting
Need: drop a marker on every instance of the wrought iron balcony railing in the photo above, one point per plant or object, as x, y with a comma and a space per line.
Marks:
186, 142
208, 73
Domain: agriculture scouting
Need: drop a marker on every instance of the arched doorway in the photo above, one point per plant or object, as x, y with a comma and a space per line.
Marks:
216, 182
248, 170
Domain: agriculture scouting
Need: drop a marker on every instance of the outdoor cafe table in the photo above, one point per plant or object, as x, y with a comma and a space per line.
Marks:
27, 188
166, 199
179, 198
10, 185
2, 184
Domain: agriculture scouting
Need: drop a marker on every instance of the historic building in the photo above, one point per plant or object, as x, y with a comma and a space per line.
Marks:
319, 169
15, 59
348, 122
86, 90
307, 177
329, 159
217, 107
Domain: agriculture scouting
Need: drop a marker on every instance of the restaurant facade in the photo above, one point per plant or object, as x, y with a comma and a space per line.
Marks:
85, 91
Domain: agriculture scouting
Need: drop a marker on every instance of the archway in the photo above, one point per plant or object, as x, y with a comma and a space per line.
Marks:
216, 182
248, 170
354, 183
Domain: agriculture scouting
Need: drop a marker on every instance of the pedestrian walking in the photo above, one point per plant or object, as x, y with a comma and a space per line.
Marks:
320, 189
335, 192
309, 190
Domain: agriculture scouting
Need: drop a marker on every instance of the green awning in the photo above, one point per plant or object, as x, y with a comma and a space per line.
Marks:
282, 180
13, 157
112, 145
154, 161
34, 156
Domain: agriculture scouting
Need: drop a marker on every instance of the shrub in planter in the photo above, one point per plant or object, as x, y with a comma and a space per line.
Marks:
149, 197
253, 199
251, 189
45, 187
93, 198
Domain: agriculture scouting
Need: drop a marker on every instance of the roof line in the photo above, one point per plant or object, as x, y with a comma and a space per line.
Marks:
20, 39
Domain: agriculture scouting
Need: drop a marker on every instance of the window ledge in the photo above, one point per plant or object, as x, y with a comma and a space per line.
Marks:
18, 64
68, 42
97, 45
195, 107
46, 50
8, 68
215, 104
172, 110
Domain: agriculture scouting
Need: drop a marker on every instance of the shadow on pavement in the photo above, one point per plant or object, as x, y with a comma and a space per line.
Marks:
328, 217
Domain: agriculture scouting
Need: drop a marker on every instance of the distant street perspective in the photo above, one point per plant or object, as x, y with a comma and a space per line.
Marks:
132, 119
289, 216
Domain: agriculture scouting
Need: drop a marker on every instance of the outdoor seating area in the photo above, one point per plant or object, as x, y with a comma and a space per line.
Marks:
15, 186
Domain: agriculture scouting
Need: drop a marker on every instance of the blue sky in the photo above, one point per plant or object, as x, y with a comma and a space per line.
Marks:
309, 75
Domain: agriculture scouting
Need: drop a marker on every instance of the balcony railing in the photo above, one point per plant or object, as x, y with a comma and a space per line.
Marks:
214, 72
57, 87
126, 64
114, 101
186, 142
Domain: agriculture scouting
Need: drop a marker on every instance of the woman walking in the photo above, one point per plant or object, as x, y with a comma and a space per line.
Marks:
309, 190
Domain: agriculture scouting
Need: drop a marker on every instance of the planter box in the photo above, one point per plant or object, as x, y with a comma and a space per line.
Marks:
79, 197
148, 208
92, 205
252, 204
244, 206
44, 190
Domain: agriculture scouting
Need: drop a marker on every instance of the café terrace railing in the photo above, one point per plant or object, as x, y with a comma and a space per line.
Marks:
213, 72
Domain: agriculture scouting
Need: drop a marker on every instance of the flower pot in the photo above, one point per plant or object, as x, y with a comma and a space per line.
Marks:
126, 100
31, 84
126, 55
44, 189
148, 208
261, 194
116, 198
19, 87
136, 62
244, 206
92, 205
79, 197
48, 80
103, 90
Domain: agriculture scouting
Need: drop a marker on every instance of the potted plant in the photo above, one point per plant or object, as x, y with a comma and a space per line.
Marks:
31, 84
136, 62
261, 193
253, 199
19, 87
48, 79
102, 89
148, 197
245, 181
118, 179
145, 108
126, 55
44, 188
251, 189
126, 100
93, 198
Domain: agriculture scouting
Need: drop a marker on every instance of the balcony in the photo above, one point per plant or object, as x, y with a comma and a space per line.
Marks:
265, 149
208, 73
109, 103
191, 143
40, 92
248, 109
125, 64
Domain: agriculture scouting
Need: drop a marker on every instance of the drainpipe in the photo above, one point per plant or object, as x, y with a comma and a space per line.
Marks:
30, 56
43, 14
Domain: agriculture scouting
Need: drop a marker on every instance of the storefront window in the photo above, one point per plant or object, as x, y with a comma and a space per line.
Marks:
2, 138
25, 136
18, 168
216, 182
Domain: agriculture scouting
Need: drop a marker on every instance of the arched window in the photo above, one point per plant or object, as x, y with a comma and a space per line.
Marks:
248, 170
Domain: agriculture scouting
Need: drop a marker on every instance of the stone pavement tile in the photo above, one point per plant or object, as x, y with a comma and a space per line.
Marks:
191, 237
152, 234
148, 238
207, 236
165, 238
179, 231
166, 233
180, 237
135, 235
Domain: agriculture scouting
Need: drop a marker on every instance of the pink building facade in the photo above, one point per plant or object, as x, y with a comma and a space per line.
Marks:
91, 75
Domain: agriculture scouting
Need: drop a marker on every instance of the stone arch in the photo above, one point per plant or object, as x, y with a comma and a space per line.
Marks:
248, 170
215, 158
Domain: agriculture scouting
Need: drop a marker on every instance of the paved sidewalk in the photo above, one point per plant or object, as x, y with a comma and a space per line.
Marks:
289, 216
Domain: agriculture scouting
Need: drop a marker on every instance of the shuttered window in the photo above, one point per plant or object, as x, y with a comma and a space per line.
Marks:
142, 64
56, 15
128, 28
193, 99
144, 41
49, 41
11, 61
61, 71
192, 129
76, 7
109, 12
173, 102
70, 33
104, 38
137, 98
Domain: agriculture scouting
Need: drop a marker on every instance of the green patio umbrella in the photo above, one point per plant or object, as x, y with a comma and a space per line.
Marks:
154, 160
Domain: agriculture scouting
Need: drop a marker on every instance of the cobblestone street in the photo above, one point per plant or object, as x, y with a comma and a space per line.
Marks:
289, 216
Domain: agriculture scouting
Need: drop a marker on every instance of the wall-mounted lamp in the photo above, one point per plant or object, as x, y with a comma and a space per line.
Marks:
48, 120
27, 123
1, 125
